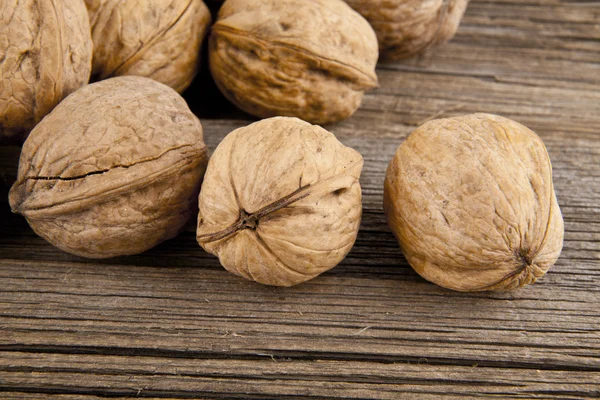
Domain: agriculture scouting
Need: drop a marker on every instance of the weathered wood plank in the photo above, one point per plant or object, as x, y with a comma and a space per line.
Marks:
272, 376
171, 323
198, 298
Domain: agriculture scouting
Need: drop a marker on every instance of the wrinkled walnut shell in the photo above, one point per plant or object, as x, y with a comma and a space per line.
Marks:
281, 201
312, 60
407, 27
114, 170
472, 204
158, 39
45, 54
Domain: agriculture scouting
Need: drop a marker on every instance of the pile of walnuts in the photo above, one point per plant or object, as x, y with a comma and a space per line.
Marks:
117, 166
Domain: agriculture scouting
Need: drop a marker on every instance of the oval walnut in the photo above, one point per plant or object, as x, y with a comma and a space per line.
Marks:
45, 54
472, 204
114, 170
281, 201
312, 60
157, 39
407, 27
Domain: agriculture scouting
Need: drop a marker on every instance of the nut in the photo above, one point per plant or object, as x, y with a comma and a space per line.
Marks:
311, 60
153, 38
115, 169
407, 27
45, 54
281, 201
471, 202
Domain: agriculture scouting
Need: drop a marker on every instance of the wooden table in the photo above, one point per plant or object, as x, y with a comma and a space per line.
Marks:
172, 323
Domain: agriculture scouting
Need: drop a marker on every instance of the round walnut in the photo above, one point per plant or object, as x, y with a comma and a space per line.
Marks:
280, 202
307, 59
471, 201
45, 54
158, 39
407, 27
114, 170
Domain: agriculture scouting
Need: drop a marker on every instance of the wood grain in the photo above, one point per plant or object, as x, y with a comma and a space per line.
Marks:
171, 323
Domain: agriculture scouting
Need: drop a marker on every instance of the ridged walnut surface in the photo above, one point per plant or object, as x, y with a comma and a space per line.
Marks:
281, 201
472, 204
158, 39
45, 54
113, 170
311, 60
407, 27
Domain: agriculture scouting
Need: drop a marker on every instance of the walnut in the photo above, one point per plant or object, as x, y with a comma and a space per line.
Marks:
471, 202
114, 170
281, 201
407, 27
153, 38
307, 59
45, 54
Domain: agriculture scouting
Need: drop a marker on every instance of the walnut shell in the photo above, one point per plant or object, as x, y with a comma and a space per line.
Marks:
471, 202
311, 60
45, 54
281, 201
114, 170
153, 38
407, 27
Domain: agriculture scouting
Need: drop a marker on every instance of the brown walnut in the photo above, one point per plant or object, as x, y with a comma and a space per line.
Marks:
281, 201
45, 54
407, 27
158, 39
307, 59
471, 202
114, 169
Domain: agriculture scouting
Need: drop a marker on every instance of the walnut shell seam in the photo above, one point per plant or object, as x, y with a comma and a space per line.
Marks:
361, 80
117, 185
145, 46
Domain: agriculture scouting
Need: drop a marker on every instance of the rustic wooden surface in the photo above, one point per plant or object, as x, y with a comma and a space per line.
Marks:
171, 323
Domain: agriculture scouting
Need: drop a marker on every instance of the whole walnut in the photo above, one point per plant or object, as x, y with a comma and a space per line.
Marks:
114, 170
280, 202
157, 39
307, 59
45, 54
471, 202
407, 27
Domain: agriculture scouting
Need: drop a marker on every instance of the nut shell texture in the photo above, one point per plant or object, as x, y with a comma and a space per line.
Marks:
407, 27
158, 39
281, 201
45, 54
113, 170
308, 59
472, 203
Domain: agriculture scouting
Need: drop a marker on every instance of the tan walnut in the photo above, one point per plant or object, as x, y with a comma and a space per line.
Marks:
407, 27
45, 54
158, 39
472, 204
307, 59
280, 202
114, 170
